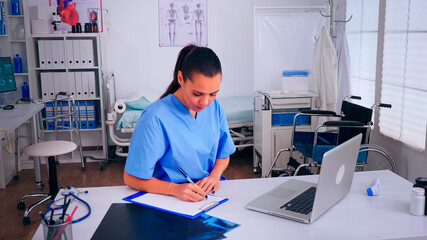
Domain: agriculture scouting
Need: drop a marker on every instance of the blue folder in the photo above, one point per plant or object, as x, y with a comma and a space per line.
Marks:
49, 113
91, 114
82, 113
131, 197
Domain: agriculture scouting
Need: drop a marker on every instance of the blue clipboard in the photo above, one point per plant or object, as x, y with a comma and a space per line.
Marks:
138, 194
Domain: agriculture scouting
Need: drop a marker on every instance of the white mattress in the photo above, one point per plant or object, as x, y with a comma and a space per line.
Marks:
238, 109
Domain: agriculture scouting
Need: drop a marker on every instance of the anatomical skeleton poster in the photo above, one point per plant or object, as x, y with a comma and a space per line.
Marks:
182, 22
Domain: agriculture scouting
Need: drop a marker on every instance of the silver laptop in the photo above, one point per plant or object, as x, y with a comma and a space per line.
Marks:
334, 183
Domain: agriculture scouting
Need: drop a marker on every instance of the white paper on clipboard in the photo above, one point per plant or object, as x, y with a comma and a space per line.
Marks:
177, 206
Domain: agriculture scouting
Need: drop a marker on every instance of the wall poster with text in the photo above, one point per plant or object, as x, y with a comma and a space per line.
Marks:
182, 22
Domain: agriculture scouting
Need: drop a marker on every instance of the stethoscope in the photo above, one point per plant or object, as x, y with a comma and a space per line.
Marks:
69, 193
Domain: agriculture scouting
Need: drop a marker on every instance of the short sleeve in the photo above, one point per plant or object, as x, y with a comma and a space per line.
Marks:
147, 146
226, 145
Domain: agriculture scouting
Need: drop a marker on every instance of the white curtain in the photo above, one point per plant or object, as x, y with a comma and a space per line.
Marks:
284, 40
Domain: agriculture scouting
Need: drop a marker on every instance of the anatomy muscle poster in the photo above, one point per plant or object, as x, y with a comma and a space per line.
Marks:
182, 22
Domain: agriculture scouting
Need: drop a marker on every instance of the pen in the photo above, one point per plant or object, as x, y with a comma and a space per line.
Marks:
67, 220
189, 179
64, 207
51, 222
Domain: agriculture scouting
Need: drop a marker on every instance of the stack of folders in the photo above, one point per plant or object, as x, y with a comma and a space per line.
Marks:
81, 85
62, 53
87, 115
2, 17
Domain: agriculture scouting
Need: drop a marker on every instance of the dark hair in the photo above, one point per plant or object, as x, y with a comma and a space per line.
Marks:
194, 59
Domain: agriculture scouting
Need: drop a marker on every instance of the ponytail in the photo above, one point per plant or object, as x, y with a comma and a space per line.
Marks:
174, 85
193, 59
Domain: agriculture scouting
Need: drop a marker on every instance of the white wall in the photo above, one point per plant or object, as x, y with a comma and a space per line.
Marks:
142, 68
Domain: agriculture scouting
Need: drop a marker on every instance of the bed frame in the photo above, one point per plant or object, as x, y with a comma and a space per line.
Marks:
241, 133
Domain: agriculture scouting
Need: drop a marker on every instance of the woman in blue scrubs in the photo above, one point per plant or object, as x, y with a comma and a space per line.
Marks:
186, 128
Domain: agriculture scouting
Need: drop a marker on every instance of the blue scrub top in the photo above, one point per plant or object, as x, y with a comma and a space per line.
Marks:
167, 136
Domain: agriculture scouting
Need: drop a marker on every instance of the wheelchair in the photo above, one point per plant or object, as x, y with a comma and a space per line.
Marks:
354, 119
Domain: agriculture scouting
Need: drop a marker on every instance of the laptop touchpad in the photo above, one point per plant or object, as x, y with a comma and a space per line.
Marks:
282, 193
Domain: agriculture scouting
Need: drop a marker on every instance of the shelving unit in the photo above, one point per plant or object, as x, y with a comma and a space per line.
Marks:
95, 137
15, 43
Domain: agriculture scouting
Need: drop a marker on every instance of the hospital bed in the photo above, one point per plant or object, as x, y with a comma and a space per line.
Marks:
122, 116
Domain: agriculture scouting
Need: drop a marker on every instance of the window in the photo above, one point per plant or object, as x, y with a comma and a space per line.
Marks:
404, 75
362, 34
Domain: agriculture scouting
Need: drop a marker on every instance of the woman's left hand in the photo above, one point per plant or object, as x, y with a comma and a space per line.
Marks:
209, 183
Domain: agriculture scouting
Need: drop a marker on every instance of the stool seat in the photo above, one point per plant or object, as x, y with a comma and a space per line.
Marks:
50, 148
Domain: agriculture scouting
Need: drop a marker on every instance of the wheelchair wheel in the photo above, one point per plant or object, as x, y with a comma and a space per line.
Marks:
378, 159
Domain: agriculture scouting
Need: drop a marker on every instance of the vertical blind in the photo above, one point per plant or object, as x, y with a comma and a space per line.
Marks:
404, 64
404, 74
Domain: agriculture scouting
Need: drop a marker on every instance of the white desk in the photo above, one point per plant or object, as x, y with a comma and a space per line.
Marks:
357, 216
11, 120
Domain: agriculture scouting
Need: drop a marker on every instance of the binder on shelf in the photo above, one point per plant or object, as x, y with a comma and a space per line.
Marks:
82, 112
61, 51
83, 53
44, 80
76, 53
92, 85
42, 54
69, 53
57, 82
51, 83
91, 114
2, 17
57, 111
55, 53
66, 119
90, 53
71, 84
50, 124
64, 82
75, 119
85, 85
79, 87
48, 51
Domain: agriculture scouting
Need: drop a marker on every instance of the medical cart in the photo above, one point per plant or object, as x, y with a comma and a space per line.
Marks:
274, 112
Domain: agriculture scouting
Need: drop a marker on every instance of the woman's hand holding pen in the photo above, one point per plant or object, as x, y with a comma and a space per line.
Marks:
187, 192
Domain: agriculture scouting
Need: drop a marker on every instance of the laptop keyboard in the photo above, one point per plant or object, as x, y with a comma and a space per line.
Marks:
302, 203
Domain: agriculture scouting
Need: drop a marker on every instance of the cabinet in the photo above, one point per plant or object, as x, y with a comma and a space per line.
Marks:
14, 42
273, 118
71, 62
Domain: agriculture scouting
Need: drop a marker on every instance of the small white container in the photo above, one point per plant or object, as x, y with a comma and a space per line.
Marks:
295, 84
295, 81
418, 200
41, 26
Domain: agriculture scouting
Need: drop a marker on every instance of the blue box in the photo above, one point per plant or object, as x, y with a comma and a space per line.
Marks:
287, 119
50, 124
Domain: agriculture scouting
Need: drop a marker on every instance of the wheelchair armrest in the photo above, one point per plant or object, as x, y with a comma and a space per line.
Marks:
355, 97
319, 112
343, 124
385, 105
